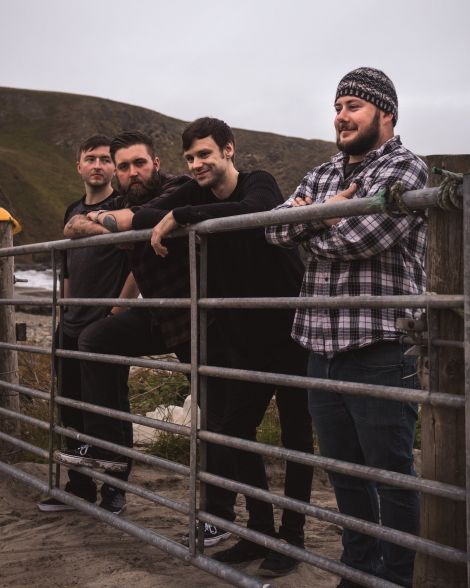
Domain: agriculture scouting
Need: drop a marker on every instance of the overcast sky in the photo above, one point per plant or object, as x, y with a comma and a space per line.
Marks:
266, 65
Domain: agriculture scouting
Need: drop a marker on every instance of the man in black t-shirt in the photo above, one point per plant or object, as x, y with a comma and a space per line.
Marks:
90, 272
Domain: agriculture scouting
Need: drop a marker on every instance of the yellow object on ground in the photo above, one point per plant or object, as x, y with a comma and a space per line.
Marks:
6, 216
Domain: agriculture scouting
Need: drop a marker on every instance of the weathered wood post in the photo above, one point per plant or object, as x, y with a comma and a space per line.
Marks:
443, 429
8, 359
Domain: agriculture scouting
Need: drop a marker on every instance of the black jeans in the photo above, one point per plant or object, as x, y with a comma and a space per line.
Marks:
133, 333
246, 404
70, 373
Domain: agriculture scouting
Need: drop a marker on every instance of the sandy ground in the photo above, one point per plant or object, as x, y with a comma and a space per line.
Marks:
62, 550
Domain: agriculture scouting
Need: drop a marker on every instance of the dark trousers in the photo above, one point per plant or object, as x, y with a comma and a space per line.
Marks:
373, 432
233, 408
70, 374
246, 405
133, 334
129, 333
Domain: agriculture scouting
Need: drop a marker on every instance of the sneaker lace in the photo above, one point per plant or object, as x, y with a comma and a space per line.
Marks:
82, 450
210, 529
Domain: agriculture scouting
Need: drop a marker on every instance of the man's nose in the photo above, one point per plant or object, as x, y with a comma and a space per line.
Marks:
342, 115
196, 163
97, 163
133, 169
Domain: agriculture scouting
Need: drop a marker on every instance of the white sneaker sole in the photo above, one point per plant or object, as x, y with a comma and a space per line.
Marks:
209, 541
89, 462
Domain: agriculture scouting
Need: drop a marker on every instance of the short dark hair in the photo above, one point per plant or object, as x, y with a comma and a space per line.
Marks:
129, 138
92, 143
205, 127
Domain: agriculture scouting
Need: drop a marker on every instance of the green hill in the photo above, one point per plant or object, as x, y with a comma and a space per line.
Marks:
39, 133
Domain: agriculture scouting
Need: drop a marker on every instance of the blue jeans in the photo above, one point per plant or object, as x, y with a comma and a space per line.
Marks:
373, 432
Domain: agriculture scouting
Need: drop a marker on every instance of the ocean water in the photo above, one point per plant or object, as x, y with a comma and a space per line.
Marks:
36, 279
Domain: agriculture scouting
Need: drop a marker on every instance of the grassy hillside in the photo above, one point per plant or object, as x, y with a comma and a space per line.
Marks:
39, 133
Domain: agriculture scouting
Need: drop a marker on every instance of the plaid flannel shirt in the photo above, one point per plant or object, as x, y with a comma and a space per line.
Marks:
377, 254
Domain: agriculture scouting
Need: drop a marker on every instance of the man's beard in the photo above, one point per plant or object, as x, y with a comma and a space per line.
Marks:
139, 192
364, 142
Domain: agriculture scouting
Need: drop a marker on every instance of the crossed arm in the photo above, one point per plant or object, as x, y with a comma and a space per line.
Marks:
98, 222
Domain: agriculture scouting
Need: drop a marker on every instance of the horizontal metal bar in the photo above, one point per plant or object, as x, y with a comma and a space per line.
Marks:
125, 416
337, 386
174, 549
128, 302
109, 412
418, 301
416, 199
102, 477
424, 341
405, 301
318, 561
26, 348
32, 392
65, 244
395, 479
24, 418
361, 526
26, 301
42, 453
171, 366
135, 489
146, 458
342, 467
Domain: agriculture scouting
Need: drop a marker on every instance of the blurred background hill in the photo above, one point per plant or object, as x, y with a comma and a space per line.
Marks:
40, 131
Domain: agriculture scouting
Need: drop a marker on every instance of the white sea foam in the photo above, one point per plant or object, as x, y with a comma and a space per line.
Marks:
36, 279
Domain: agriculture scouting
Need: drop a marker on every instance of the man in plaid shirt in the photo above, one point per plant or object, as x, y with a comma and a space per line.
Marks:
375, 255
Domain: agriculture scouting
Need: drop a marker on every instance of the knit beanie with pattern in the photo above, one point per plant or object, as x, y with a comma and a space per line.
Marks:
373, 86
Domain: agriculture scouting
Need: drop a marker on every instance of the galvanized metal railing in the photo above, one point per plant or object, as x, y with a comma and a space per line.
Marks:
198, 304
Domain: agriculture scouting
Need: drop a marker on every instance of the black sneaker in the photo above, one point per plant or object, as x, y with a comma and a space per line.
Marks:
54, 505
113, 499
212, 535
241, 552
86, 455
277, 564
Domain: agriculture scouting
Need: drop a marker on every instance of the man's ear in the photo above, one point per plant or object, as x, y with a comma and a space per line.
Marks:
156, 163
229, 150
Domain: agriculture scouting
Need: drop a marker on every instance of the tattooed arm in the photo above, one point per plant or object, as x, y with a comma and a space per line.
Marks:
113, 220
81, 226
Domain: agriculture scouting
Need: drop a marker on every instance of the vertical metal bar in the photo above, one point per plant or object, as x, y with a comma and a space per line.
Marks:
466, 290
59, 363
202, 380
194, 392
52, 408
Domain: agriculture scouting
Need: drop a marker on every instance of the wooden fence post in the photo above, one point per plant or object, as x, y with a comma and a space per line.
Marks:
8, 359
443, 429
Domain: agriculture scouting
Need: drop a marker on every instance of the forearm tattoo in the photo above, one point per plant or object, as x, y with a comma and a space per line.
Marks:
110, 223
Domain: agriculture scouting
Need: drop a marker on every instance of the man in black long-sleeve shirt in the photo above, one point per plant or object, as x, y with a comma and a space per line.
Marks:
242, 264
